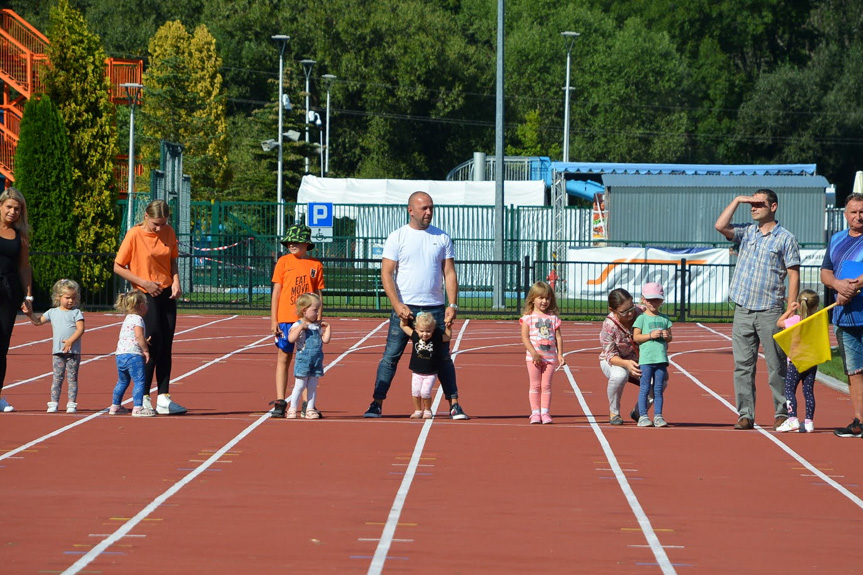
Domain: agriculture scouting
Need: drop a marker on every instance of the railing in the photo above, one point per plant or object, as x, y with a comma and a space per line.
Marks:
123, 71
231, 281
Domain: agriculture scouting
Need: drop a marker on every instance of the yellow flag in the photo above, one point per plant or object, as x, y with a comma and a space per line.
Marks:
807, 343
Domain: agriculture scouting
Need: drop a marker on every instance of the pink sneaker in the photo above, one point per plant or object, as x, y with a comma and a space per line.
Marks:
535, 418
118, 410
546, 418
427, 414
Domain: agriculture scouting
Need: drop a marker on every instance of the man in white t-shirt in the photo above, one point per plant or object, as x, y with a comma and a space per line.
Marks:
418, 262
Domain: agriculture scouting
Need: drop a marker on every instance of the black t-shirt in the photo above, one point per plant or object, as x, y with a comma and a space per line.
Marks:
425, 357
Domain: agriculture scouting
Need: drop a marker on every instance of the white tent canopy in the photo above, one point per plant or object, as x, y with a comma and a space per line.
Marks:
357, 191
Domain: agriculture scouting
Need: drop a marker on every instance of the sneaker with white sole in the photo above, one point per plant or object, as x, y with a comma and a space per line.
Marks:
71, 407
166, 406
52, 407
644, 421
118, 410
809, 426
456, 412
659, 421
790, 424
147, 403
5, 407
142, 411
374, 410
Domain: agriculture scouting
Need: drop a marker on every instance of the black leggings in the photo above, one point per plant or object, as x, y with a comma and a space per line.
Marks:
792, 380
159, 325
8, 314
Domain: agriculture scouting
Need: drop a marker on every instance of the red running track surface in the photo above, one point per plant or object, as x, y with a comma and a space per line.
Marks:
225, 489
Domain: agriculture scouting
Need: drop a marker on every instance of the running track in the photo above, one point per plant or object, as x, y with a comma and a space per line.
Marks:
225, 489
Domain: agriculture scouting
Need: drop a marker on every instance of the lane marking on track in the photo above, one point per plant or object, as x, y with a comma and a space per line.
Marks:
796, 456
377, 563
99, 357
29, 343
645, 526
142, 515
66, 428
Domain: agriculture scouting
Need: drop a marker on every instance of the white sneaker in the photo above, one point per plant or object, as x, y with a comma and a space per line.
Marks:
809, 426
165, 406
790, 424
147, 403
659, 421
71, 407
5, 407
52, 407
644, 421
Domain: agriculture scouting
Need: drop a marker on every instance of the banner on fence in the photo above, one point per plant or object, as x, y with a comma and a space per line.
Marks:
597, 271
593, 272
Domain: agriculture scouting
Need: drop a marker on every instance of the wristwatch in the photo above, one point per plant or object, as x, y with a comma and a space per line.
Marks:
454, 306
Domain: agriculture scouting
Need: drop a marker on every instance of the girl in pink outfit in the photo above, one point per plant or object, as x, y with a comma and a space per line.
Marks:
540, 334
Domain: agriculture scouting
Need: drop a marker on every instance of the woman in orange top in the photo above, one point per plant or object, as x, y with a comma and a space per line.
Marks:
148, 260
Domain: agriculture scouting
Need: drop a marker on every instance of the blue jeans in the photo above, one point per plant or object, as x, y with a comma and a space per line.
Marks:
655, 373
397, 340
130, 366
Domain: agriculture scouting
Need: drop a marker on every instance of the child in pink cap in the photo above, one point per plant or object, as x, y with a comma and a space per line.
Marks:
652, 331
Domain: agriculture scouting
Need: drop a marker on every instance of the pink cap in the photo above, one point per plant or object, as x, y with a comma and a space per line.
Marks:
652, 290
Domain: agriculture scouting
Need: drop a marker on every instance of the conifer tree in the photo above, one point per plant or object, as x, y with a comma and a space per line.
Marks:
76, 82
43, 173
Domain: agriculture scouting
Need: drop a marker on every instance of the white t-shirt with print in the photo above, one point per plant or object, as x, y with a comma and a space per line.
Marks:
127, 342
419, 257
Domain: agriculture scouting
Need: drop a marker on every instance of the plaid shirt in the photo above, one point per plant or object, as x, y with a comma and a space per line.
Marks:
762, 264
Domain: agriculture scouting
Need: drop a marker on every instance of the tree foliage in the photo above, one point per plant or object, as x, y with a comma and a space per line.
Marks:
44, 175
183, 103
76, 82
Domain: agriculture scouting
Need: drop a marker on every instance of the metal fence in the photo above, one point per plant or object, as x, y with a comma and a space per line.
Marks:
239, 281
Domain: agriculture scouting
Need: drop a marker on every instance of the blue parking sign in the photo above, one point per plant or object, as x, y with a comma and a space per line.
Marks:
320, 215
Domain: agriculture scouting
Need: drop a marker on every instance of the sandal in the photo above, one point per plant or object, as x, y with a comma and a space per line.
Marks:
312, 414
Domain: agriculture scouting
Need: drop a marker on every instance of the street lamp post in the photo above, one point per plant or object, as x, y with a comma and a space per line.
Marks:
280, 206
133, 91
328, 82
307, 68
569, 38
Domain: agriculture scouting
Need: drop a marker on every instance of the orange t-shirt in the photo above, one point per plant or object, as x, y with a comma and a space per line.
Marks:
297, 276
149, 255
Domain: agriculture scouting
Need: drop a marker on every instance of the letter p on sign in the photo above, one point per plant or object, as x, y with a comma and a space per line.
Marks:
320, 215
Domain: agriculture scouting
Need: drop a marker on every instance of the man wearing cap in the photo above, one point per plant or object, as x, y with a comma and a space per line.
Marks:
418, 261
767, 254
296, 273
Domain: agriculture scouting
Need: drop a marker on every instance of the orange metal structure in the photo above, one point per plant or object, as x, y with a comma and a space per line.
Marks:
23, 60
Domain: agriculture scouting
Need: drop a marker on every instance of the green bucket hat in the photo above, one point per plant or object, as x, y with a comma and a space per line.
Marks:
300, 234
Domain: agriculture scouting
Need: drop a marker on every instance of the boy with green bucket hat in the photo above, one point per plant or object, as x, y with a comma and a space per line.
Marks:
296, 273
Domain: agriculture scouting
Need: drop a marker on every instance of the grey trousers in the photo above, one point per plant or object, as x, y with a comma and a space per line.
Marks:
751, 328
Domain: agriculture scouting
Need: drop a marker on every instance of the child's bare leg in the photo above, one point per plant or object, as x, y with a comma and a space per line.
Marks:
418, 403
283, 362
427, 403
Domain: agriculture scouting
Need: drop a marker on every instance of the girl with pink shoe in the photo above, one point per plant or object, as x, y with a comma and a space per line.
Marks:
540, 334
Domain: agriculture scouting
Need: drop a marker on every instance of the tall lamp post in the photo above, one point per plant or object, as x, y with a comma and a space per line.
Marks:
307, 68
133, 91
280, 208
569, 38
328, 83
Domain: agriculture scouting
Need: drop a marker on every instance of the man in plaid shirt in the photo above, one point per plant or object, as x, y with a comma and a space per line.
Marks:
767, 254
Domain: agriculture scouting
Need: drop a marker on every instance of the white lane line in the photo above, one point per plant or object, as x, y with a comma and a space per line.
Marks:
98, 357
29, 343
643, 521
386, 541
123, 530
796, 456
66, 428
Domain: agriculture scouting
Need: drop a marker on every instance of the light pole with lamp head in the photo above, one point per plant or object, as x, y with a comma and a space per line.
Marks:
280, 206
328, 83
307, 68
570, 38
133, 91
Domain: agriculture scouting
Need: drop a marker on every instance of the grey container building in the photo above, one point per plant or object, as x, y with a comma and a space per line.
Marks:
681, 210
